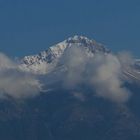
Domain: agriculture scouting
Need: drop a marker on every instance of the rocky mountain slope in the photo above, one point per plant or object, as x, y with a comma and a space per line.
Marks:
46, 60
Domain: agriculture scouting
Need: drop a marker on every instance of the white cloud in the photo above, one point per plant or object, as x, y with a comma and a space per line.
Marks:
126, 58
103, 72
106, 78
75, 60
14, 82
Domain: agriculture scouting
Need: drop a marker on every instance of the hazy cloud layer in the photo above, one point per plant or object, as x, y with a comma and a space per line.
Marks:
102, 72
107, 78
75, 60
15, 83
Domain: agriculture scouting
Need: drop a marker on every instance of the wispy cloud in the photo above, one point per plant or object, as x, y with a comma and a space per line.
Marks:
14, 82
103, 73
107, 79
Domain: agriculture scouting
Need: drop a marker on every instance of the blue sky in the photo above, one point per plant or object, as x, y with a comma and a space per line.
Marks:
30, 26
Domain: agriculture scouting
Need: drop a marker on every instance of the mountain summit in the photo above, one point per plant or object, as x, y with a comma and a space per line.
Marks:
88, 93
44, 61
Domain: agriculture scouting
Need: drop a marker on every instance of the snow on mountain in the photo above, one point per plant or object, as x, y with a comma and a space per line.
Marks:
137, 66
45, 61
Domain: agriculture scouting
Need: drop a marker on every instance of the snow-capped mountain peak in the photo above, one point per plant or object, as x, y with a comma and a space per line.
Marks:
46, 60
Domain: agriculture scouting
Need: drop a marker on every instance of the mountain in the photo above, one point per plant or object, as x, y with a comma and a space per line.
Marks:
45, 61
71, 105
49, 60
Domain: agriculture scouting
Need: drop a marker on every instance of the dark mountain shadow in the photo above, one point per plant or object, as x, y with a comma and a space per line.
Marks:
59, 115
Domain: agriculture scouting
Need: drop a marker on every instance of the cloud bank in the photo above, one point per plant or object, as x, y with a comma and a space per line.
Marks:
107, 78
102, 72
14, 82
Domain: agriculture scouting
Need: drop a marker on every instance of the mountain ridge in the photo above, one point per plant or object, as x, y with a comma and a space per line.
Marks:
44, 61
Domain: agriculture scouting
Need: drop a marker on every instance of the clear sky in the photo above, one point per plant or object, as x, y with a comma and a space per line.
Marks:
30, 26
